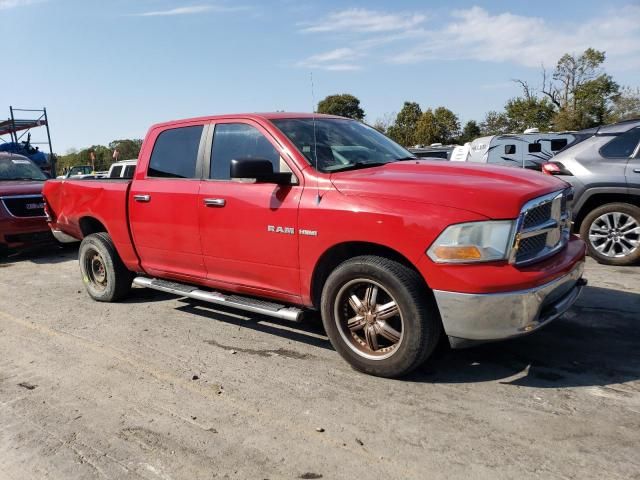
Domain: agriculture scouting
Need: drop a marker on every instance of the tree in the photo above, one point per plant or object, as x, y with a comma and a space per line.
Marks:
531, 112
128, 148
626, 105
495, 123
345, 105
403, 130
582, 93
383, 123
470, 132
438, 126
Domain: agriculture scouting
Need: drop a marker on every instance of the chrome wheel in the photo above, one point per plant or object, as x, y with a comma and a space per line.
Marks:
95, 269
615, 234
369, 319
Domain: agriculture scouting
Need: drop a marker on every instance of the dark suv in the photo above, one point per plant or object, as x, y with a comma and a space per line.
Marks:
604, 169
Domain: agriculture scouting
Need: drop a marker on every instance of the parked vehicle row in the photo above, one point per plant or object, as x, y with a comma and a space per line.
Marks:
281, 213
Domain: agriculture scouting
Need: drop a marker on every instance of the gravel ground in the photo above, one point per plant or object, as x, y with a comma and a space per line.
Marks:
160, 387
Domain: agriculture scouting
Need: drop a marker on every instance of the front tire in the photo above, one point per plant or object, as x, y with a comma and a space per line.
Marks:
612, 234
104, 275
379, 316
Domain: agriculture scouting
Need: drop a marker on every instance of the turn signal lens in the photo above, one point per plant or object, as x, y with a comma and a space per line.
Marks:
457, 253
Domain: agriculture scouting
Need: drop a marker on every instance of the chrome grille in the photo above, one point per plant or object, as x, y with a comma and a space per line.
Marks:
542, 229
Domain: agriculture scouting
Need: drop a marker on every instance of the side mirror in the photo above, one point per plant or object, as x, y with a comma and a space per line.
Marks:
259, 169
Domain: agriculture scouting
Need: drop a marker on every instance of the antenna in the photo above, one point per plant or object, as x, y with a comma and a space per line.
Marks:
315, 141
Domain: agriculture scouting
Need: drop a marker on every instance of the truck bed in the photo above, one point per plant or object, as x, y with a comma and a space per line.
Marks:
83, 206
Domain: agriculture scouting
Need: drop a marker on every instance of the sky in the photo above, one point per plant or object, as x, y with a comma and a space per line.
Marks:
107, 70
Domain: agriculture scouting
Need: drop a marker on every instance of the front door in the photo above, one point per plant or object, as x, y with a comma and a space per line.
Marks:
163, 204
249, 231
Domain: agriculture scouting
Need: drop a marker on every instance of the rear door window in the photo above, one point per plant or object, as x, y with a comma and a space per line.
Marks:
129, 170
623, 145
175, 153
116, 171
239, 141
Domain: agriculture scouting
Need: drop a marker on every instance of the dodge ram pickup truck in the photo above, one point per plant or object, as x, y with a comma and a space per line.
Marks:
281, 213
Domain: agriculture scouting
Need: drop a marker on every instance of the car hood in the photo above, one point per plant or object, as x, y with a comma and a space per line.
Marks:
20, 187
494, 192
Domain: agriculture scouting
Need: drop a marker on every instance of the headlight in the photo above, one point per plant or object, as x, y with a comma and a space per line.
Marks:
473, 242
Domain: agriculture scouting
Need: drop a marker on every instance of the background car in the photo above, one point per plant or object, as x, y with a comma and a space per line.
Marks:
22, 216
435, 150
604, 169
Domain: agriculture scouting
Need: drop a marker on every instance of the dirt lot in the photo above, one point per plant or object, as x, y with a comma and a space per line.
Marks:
162, 387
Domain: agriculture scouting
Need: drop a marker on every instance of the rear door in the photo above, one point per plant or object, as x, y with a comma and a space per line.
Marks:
249, 231
163, 203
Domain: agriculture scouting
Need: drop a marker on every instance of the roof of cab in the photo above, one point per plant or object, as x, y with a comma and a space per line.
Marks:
248, 116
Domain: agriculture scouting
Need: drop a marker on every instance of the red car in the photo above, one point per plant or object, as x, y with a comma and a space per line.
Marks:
22, 218
278, 213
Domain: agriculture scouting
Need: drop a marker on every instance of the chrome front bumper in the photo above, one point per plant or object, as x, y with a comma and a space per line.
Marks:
472, 318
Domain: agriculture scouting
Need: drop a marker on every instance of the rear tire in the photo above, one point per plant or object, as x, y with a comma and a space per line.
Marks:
104, 275
380, 316
610, 230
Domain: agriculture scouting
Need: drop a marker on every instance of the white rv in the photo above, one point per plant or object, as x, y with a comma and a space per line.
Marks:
530, 149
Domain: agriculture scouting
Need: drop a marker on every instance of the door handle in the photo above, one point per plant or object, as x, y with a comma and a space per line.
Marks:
142, 198
215, 202
636, 170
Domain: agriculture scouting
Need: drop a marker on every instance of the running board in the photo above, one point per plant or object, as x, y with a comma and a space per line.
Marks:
235, 301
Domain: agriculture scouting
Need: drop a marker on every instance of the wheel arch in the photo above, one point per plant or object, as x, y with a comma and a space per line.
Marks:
89, 225
598, 198
338, 253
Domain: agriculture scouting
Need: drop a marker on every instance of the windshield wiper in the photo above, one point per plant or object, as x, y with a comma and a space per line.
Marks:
405, 158
357, 166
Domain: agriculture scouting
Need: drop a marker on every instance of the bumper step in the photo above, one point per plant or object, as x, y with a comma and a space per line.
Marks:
247, 304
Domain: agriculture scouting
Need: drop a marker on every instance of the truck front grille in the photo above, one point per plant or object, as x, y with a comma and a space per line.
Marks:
543, 228
24, 206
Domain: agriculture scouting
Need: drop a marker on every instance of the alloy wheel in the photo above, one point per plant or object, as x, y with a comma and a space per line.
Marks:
369, 319
615, 234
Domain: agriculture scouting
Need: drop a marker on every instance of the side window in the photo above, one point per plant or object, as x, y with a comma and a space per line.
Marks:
558, 144
509, 149
115, 172
535, 147
175, 153
623, 145
236, 141
129, 170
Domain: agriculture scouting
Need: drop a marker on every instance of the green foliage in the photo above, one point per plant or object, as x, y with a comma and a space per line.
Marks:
345, 105
438, 126
128, 148
626, 105
582, 93
532, 112
495, 123
470, 132
403, 130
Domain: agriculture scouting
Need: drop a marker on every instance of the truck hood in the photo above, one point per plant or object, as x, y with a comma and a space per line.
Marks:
20, 187
494, 192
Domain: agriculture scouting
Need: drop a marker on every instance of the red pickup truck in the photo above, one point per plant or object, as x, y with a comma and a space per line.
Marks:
277, 213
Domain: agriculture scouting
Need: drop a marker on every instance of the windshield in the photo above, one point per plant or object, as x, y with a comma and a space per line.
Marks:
16, 168
340, 144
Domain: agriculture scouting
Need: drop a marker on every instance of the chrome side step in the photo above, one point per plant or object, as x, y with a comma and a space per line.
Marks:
235, 301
